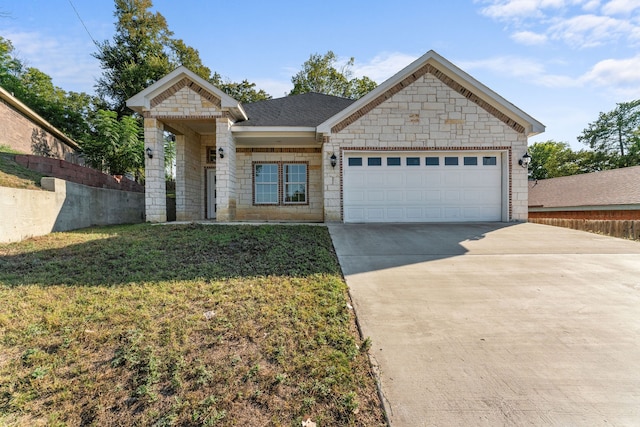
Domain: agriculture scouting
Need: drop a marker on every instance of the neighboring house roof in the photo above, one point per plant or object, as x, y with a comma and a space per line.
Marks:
617, 187
306, 110
450, 75
37, 119
167, 86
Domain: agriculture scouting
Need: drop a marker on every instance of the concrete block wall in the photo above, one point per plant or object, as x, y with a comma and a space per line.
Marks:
64, 206
246, 210
429, 115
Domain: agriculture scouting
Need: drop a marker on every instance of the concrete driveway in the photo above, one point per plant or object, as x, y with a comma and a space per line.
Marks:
498, 324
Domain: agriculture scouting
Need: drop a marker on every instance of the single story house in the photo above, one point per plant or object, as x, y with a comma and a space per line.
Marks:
25, 131
605, 195
430, 144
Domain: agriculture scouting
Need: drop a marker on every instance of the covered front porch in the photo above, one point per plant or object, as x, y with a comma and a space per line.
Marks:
200, 116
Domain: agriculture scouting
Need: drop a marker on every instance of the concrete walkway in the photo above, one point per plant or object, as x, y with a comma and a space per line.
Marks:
498, 324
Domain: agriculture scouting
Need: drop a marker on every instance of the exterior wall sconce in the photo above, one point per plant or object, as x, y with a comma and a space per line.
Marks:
525, 160
221, 152
149, 152
334, 160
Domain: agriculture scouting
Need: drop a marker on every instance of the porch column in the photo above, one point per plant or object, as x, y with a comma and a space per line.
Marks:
155, 187
225, 171
331, 181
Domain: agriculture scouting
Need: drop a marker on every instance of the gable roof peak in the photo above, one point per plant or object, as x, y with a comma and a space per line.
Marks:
449, 74
142, 100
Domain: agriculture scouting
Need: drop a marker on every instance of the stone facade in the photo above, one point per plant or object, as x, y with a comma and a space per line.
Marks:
426, 109
247, 210
429, 115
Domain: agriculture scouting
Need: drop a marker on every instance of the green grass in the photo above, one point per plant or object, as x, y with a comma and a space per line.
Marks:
16, 176
180, 325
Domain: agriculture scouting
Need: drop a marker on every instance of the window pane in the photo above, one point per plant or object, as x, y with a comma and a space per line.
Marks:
451, 161
355, 161
432, 161
489, 161
413, 161
470, 161
393, 161
266, 183
295, 183
374, 161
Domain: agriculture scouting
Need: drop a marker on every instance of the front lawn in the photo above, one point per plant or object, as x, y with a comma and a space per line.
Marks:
180, 325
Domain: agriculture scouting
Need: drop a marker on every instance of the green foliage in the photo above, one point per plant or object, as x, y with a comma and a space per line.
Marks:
68, 111
616, 134
143, 50
116, 146
136, 57
319, 74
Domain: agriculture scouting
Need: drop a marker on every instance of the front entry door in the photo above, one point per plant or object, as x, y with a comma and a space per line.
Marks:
211, 194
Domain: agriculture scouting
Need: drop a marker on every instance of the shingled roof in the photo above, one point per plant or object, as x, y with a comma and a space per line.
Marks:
306, 110
605, 188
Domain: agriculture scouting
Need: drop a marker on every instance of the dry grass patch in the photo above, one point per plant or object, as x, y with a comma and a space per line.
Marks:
16, 176
180, 325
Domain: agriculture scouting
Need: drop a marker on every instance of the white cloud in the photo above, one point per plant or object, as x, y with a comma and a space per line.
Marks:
620, 75
590, 30
506, 65
566, 20
275, 88
529, 38
66, 60
620, 7
383, 65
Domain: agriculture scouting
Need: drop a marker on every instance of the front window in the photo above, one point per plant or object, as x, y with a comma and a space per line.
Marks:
266, 183
295, 183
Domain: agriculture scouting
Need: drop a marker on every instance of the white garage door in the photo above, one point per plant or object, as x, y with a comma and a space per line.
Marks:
422, 187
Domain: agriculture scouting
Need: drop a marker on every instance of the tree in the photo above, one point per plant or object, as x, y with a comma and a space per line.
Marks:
320, 75
551, 159
68, 111
116, 147
616, 133
143, 51
244, 91
137, 57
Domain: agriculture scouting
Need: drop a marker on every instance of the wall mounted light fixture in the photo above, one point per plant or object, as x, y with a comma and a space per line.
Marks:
221, 152
149, 152
334, 160
525, 160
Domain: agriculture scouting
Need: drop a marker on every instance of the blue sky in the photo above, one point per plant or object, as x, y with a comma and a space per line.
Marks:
561, 61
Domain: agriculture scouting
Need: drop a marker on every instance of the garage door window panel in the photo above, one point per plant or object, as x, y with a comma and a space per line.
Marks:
471, 161
355, 161
374, 161
413, 161
393, 161
432, 161
451, 161
489, 161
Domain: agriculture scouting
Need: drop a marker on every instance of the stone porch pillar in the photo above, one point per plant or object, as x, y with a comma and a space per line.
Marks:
155, 187
331, 181
225, 171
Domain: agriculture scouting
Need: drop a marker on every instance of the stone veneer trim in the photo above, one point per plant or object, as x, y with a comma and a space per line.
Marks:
185, 82
428, 68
